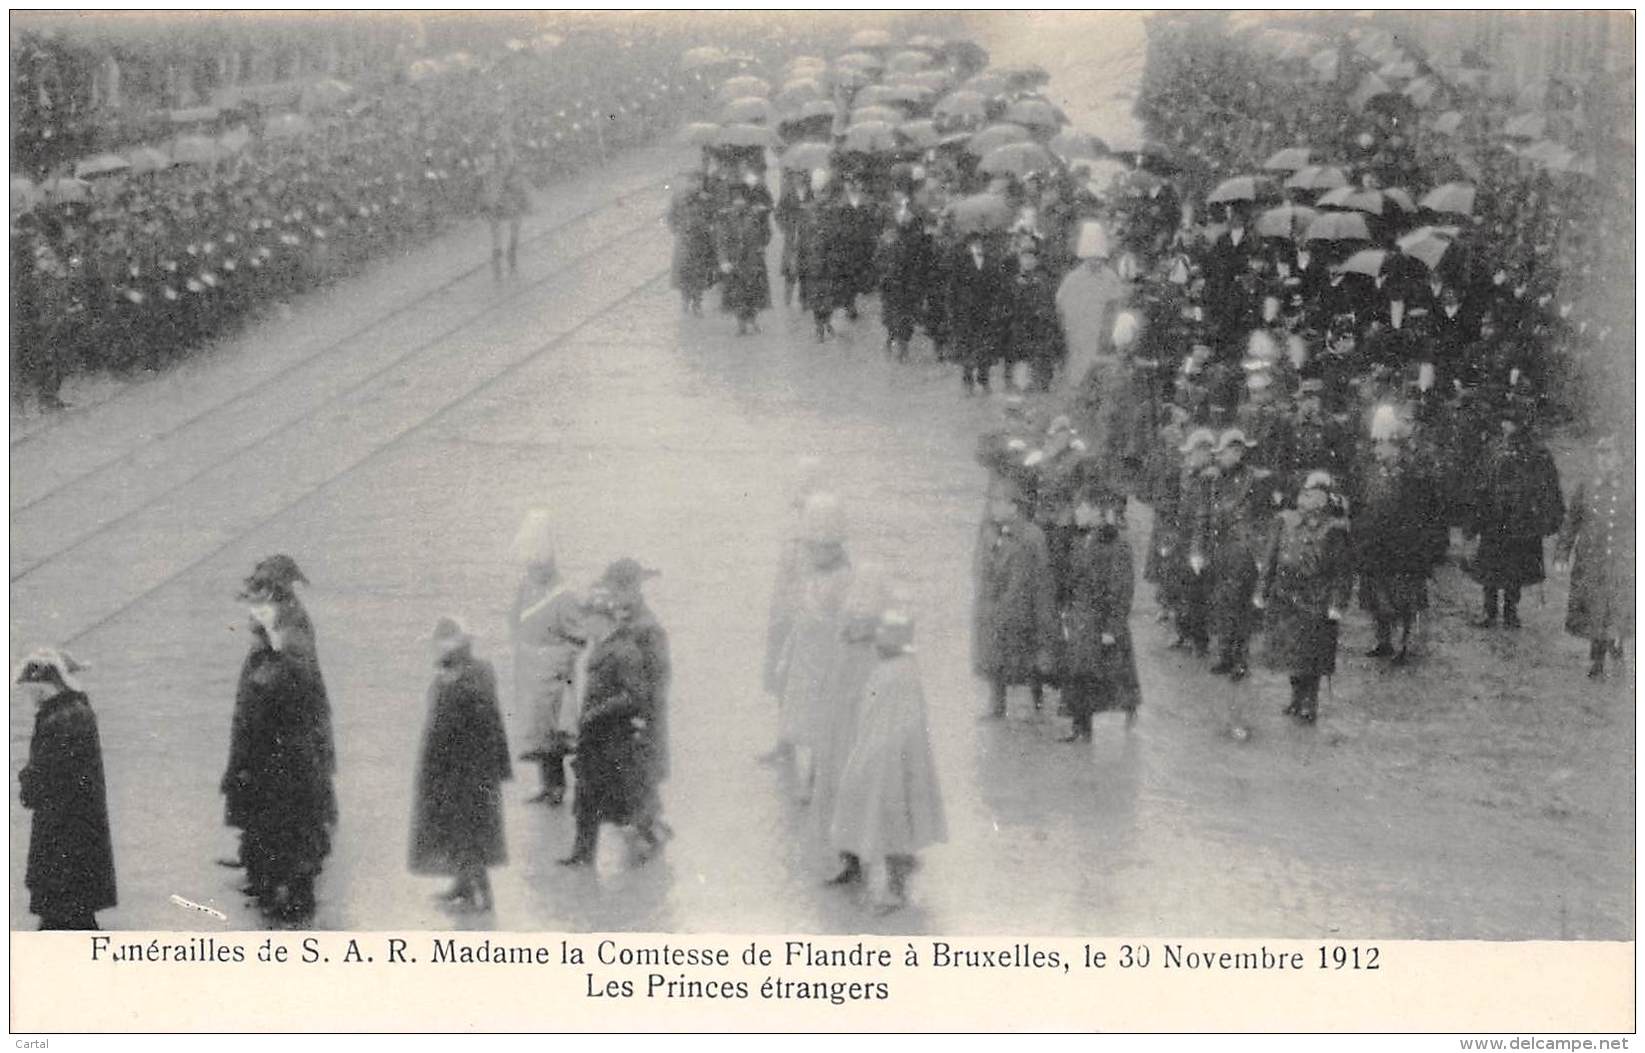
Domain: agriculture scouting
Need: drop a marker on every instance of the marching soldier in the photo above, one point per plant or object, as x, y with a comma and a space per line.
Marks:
1597, 543
1307, 577
1231, 531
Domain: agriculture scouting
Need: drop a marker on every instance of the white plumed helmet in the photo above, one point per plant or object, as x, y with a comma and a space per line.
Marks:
1126, 329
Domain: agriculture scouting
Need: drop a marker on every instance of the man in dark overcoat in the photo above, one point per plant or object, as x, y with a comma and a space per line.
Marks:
1232, 527
70, 874
1399, 533
278, 783
906, 265
1517, 503
978, 295
1014, 614
744, 231
1098, 669
1306, 578
622, 738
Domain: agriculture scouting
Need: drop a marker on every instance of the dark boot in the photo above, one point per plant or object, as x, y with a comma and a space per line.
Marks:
1296, 698
583, 848
850, 871
1308, 708
1510, 608
1488, 618
1385, 639
1596, 659
1403, 655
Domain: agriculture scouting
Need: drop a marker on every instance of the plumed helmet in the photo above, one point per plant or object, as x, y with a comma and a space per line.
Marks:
534, 542
1126, 328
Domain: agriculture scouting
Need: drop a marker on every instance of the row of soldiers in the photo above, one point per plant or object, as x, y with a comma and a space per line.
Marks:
150, 266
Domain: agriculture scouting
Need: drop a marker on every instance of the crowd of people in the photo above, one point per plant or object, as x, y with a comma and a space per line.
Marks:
1314, 374
153, 256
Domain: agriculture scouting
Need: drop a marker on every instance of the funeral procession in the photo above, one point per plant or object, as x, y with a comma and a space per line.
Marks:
829, 472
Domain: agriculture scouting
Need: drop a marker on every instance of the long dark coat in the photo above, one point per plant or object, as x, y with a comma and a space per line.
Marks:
1231, 531
1100, 584
906, 265
1598, 538
816, 233
1516, 505
281, 758
622, 743
978, 299
457, 818
1307, 571
858, 234
71, 861
1014, 617
696, 265
1398, 534
1033, 329
744, 232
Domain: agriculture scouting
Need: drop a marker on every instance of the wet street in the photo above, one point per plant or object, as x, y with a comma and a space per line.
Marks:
390, 433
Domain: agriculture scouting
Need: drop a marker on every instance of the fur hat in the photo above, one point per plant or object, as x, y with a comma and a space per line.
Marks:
1387, 425
627, 573
273, 575
49, 665
449, 634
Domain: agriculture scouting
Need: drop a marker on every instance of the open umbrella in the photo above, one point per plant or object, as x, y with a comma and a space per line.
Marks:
1526, 126
1016, 159
1422, 91
285, 126
1290, 159
962, 105
818, 126
848, 77
1428, 244
800, 64
1025, 74
1075, 145
994, 136
915, 95
927, 41
878, 114
702, 58
324, 95
988, 83
935, 81
1338, 226
870, 38
805, 157
196, 150
1454, 198
1286, 221
909, 61
746, 135
1239, 188
24, 194
797, 93
1368, 262
1142, 151
1317, 177
1035, 113
1369, 88
965, 55
100, 165
860, 60
745, 86
872, 137
1399, 68
981, 212
750, 109
921, 135
873, 95
1375, 202
1448, 122
699, 133
148, 159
